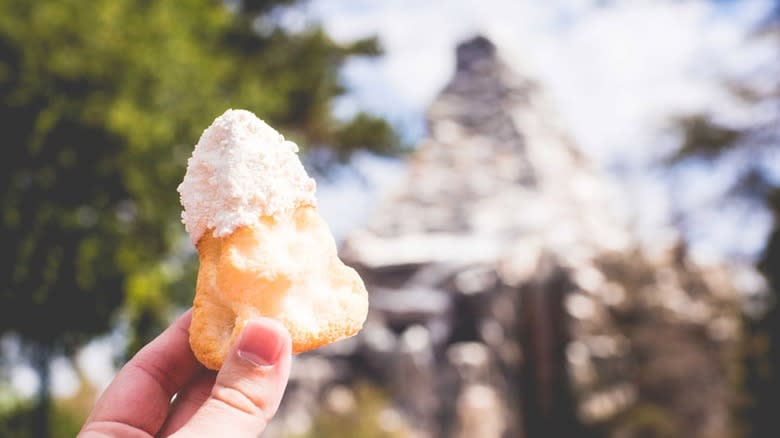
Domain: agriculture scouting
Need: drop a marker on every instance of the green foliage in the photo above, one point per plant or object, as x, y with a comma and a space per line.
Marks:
704, 138
647, 420
363, 420
15, 422
100, 104
364, 130
18, 422
756, 383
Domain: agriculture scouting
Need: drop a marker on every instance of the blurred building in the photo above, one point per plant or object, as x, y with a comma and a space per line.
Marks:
507, 301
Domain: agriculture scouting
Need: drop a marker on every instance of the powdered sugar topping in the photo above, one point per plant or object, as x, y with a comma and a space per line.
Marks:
241, 169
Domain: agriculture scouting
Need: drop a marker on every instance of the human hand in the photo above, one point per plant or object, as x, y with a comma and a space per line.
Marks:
238, 401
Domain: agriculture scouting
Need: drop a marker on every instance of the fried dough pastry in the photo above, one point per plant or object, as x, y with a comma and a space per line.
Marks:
263, 248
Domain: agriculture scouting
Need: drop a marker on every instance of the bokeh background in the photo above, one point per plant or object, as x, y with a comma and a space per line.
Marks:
565, 211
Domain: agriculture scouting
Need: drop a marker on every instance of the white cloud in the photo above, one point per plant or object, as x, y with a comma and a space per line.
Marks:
616, 73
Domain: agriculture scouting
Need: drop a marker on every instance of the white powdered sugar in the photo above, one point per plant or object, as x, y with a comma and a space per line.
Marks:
241, 169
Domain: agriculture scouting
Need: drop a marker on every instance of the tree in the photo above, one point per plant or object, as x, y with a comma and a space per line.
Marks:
100, 104
749, 147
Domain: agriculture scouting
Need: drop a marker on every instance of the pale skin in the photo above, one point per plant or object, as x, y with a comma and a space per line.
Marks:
238, 401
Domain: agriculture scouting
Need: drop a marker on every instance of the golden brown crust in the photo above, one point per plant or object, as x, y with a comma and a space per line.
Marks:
286, 268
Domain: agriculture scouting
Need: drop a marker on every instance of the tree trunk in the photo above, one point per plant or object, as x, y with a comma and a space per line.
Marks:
549, 409
40, 415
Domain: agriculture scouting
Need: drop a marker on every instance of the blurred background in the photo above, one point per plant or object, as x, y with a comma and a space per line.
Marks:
566, 212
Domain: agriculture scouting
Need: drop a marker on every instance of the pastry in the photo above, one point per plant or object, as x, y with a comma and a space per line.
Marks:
250, 210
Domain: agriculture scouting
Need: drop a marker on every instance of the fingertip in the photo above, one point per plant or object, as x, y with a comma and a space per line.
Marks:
250, 385
263, 341
184, 319
273, 327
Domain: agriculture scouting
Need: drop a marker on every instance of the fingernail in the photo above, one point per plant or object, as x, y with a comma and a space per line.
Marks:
261, 342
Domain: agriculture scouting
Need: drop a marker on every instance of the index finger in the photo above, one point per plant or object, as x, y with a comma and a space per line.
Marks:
140, 395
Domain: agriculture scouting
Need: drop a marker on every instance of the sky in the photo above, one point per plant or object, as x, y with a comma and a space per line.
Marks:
615, 73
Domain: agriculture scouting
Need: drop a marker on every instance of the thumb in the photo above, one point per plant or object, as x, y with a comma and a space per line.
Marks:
249, 387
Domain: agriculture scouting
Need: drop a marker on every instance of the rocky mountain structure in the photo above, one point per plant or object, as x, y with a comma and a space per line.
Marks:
507, 301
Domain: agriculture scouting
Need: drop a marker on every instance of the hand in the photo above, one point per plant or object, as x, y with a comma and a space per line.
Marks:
236, 402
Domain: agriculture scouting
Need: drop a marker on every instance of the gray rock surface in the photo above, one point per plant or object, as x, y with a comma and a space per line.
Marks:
506, 300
